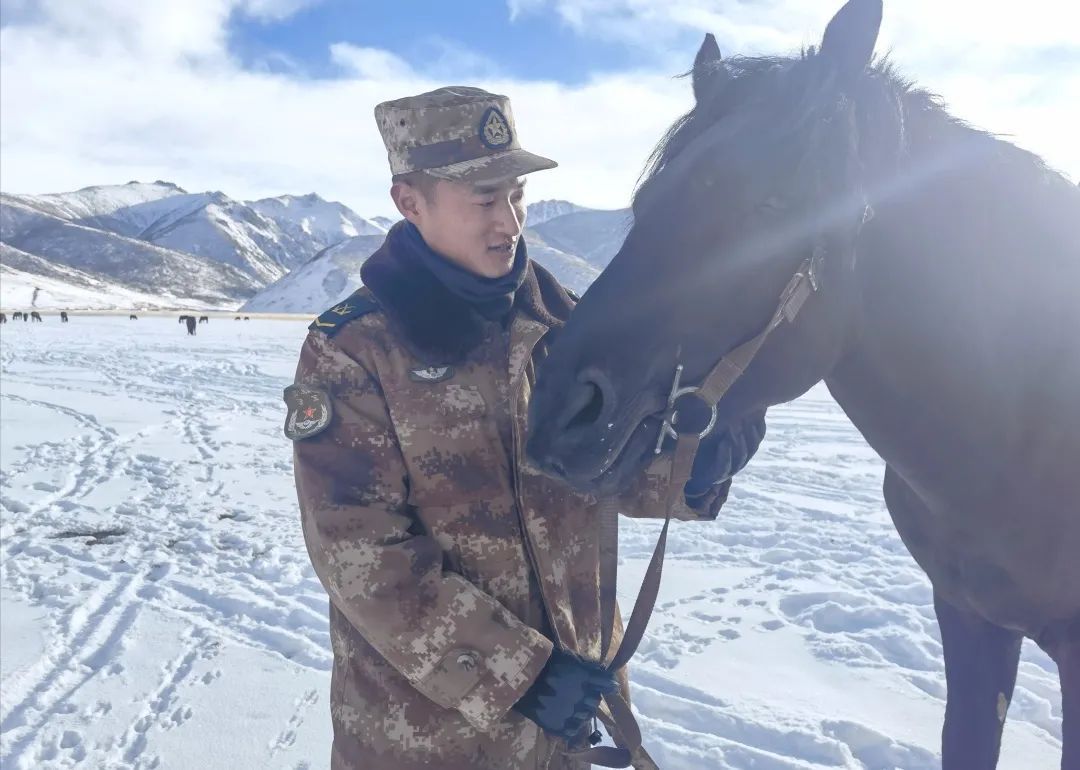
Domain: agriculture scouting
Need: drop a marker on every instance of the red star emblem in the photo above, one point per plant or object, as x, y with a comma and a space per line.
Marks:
309, 412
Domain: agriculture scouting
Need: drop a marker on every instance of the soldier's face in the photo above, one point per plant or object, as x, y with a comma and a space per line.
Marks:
475, 226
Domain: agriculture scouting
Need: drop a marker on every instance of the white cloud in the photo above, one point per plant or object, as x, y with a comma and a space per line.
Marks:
272, 10
369, 63
107, 91
154, 31
87, 102
1013, 70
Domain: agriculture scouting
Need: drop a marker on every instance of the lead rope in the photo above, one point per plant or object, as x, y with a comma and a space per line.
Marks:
615, 712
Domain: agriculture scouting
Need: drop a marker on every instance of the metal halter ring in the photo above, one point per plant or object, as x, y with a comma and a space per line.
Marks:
670, 416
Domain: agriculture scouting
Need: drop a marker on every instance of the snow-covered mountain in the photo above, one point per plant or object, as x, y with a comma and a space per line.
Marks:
108, 256
310, 218
106, 230
216, 226
324, 280
571, 270
104, 206
593, 235
535, 213
28, 281
287, 253
334, 274
542, 211
264, 238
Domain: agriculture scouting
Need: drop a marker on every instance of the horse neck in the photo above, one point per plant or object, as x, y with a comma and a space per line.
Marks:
968, 326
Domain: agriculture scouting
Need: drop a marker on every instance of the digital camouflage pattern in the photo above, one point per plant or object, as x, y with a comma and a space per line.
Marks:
457, 132
452, 567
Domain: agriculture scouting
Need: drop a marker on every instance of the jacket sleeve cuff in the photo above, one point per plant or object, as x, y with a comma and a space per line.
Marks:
647, 496
487, 669
705, 507
506, 677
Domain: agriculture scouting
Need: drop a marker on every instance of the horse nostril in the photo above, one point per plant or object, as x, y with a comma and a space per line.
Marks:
593, 407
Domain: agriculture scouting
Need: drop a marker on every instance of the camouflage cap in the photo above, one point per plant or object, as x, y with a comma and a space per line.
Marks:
459, 132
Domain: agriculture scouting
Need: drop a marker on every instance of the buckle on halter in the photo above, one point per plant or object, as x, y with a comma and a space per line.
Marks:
804, 283
816, 261
671, 414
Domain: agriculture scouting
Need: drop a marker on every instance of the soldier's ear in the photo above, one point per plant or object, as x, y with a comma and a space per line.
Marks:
407, 199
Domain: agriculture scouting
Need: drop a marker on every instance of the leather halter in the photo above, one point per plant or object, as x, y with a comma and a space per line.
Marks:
729, 368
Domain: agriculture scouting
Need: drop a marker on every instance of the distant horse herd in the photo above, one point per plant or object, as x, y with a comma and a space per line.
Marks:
33, 315
189, 321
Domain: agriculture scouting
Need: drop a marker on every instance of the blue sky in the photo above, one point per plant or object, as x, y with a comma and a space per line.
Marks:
263, 97
536, 45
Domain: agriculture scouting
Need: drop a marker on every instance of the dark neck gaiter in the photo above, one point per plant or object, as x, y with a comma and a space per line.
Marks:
490, 297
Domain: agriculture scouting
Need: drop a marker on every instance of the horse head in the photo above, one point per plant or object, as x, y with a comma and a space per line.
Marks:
763, 173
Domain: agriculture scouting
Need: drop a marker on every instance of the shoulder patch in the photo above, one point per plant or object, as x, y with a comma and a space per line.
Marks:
358, 304
309, 411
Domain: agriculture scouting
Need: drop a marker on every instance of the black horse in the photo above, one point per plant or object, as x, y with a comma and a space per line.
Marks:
204, 319
133, 317
190, 321
63, 316
3, 318
941, 265
17, 315
35, 316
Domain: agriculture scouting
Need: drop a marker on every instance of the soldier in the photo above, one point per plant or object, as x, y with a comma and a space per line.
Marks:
464, 597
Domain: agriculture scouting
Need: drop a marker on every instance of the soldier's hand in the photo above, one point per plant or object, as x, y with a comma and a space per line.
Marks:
566, 695
722, 455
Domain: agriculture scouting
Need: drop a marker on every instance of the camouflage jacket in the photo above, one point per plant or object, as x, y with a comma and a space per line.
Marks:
451, 566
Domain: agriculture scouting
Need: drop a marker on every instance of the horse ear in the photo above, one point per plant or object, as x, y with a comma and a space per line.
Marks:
848, 43
707, 66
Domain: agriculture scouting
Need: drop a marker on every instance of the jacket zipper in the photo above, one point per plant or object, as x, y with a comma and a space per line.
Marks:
530, 551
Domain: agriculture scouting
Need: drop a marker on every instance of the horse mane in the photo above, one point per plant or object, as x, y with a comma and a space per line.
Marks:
747, 73
888, 105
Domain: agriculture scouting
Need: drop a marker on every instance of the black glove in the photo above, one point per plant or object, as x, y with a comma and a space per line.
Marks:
721, 455
566, 695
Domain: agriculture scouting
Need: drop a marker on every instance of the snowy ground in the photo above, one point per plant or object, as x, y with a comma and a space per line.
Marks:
158, 608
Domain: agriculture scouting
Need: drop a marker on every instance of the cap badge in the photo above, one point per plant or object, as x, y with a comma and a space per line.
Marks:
494, 129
